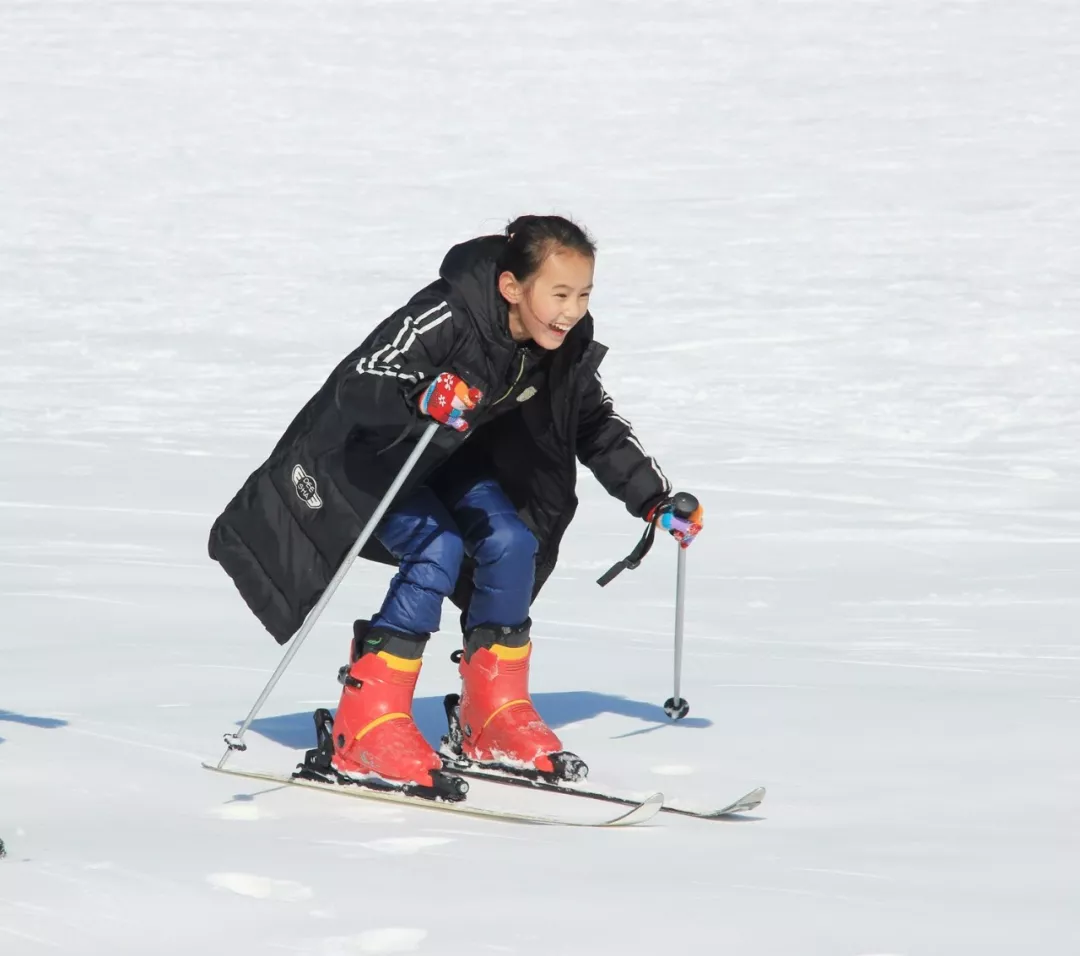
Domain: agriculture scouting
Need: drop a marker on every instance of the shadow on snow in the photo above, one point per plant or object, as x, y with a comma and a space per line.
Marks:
558, 709
47, 723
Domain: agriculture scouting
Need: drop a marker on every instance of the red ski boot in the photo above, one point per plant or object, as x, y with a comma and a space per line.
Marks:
374, 732
498, 724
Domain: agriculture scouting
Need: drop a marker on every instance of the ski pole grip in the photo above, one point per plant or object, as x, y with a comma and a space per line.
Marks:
684, 504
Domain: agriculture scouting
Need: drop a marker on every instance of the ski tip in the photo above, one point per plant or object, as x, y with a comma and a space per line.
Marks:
744, 804
754, 797
648, 808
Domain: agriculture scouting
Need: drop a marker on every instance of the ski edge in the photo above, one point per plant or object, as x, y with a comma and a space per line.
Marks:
641, 812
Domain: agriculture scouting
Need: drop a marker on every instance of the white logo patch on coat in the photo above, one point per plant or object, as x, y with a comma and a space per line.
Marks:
306, 488
527, 394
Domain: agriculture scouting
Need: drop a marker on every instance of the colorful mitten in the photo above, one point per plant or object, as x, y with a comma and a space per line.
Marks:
683, 530
447, 399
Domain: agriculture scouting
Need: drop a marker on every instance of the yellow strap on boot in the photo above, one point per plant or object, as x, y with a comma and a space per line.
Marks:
504, 653
498, 710
385, 718
400, 663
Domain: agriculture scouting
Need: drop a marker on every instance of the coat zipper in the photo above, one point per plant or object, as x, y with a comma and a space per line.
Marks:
521, 371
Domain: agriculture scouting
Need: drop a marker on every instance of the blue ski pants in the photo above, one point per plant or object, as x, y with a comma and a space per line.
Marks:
431, 533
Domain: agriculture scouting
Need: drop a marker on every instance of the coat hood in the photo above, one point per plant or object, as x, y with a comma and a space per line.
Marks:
472, 270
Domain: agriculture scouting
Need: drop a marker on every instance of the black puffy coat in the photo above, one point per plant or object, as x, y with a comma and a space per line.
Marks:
287, 530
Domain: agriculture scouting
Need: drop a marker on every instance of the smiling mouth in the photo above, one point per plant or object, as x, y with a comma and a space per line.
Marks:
559, 329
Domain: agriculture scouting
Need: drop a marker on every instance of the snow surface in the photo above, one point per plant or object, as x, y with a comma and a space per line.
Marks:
838, 272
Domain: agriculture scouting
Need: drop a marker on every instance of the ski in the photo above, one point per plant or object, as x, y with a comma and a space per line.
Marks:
570, 770
745, 803
513, 778
640, 811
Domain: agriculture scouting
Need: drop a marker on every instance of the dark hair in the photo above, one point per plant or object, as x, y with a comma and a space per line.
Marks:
531, 239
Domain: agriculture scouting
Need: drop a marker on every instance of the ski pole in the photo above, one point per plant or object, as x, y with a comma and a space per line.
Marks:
677, 707
236, 741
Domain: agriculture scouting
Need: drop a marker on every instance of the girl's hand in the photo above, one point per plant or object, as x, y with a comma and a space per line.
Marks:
447, 399
683, 528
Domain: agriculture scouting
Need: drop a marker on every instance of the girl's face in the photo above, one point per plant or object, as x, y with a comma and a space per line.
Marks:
551, 302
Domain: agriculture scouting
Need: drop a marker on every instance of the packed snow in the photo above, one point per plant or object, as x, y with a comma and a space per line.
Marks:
838, 274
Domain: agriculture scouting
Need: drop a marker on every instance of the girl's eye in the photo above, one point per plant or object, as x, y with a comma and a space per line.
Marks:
560, 295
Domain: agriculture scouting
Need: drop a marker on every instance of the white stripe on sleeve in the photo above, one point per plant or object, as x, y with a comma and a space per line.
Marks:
383, 361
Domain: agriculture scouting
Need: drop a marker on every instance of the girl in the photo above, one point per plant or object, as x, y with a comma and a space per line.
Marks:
500, 350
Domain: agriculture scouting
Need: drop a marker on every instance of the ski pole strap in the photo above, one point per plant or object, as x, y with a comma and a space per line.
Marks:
633, 559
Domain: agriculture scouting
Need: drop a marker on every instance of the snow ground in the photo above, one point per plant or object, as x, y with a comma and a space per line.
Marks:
838, 272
